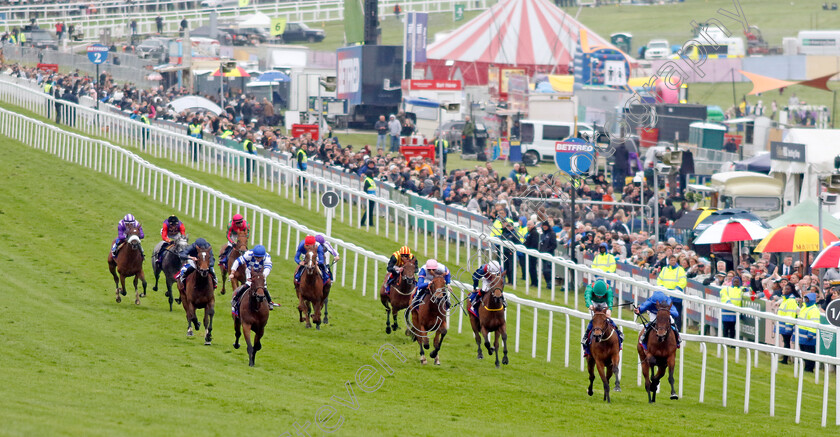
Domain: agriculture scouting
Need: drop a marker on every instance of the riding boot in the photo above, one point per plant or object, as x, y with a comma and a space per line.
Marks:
297, 274
271, 303
504, 302
677, 334
142, 253
215, 281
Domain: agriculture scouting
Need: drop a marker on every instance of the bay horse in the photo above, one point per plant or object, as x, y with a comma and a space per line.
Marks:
129, 262
430, 315
170, 265
491, 318
236, 251
400, 295
253, 315
310, 290
604, 351
197, 292
661, 352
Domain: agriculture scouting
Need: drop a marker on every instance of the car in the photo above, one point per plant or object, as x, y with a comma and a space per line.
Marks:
219, 3
302, 32
247, 36
40, 39
657, 49
539, 137
154, 48
453, 130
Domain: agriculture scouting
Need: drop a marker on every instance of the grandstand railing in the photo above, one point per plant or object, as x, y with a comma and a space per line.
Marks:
116, 15
170, 143
210, 206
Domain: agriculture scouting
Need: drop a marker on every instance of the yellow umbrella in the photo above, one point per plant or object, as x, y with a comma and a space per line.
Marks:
706, 212
795, 238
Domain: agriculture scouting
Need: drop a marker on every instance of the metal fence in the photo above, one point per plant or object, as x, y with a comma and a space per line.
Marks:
210, 206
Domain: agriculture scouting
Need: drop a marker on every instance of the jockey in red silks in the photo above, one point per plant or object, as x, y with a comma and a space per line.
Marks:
237, 225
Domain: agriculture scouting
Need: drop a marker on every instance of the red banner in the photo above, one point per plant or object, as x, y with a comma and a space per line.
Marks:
432, 85
48, 67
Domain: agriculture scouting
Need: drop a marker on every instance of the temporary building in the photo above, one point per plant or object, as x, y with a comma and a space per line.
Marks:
806, 212
820, 147
533, 35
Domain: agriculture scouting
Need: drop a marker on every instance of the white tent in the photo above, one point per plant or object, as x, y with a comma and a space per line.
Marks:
821, 147
255, 20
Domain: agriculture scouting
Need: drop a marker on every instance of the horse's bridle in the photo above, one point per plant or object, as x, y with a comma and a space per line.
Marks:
608, 327
202, 255
310, 263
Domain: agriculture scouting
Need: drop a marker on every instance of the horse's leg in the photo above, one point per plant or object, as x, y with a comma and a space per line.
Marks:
440, 334
247, 333
209, 311
422, 353
486, 339
112, 267
190, 310
605, 378
660, 372
317, 314
496, 346
646, 373
169, 293
237, 331
326, 311
387, 316
156, 272
223, 272
477, 335
671, 360
615, 362
503, 330
136, 292
396, 325
590, 363
258, 333
121, 288
300, 311
302, 308
143, 280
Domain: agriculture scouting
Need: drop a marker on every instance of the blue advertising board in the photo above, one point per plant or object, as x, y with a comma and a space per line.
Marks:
97, 53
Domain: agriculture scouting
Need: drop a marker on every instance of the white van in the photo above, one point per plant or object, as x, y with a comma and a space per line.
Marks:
819, 42
759, 193
539, 137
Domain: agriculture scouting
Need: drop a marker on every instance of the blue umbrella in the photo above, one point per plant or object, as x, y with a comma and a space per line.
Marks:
273, 76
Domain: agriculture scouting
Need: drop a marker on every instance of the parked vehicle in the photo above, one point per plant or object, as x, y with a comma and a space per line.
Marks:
40, 39
658, 49
759, 193
302, 32
539, 137
249, 36
452, 131
219, 3
154, 48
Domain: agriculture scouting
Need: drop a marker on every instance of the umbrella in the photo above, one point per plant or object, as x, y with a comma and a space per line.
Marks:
236, 72
732, 230
795, 238
274, 76
194, 102
829, 258
690, 219
154, 76
728, 213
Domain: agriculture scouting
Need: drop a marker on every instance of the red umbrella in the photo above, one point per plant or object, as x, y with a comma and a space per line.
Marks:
829, 258
726, 231
795, 238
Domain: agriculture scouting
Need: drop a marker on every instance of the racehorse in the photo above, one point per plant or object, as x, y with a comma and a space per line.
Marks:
400, 296
430, 315
170, 265
253, 315
129, 262
491, 318
236, 251
661, 351
197, 292
310, 290
604, 351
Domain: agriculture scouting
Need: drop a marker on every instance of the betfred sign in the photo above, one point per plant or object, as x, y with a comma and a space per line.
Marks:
573, 156
432, 85
349, 75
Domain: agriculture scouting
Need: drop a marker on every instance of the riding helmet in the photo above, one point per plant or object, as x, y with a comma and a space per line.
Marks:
405, 250
173, 220
599, 288
309, 240
431, 265
319, 239
259, 250
493, 267
237, 217
128, 218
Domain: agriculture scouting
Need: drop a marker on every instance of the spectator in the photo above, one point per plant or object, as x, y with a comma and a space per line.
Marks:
548, 244
807, 335
381, 127
394, 128
159, 24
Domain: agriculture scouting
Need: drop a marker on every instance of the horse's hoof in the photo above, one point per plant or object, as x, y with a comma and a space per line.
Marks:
223, 291
395, 327
178, 301
154, 288
387, 329
505, 361
589, 392
207, 343
491, 351
118, 299
617, 389
189, 334
674, 397
137, 302
326, 321
143, 294
250, 364
236, 345
122, 292
308, 325
480, 357
497, 365
423, 361
317, 327
437, 361
426, 346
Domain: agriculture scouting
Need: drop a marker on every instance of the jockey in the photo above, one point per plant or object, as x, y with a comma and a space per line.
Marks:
301, 251
424, 278
256, 258
395, 264
486, 273
599, 293
171, 228
327, 249
189, 255
237, 225
121, 233
650, 305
